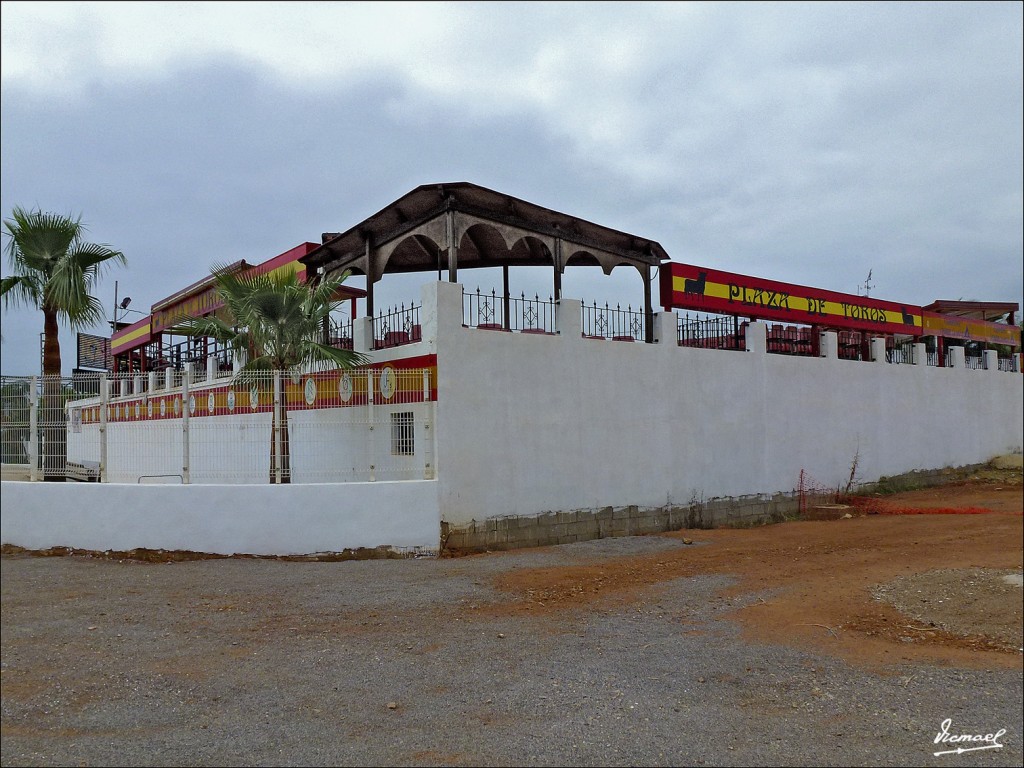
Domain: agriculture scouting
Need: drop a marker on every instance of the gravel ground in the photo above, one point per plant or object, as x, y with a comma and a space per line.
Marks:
409, 662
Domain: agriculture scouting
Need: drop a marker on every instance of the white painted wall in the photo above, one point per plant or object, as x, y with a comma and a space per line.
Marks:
223, 519
341, 444
529, 423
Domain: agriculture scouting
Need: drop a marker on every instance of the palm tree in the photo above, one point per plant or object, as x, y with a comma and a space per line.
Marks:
54, 269
276, 322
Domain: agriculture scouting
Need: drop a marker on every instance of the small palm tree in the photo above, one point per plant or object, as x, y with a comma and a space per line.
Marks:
54, 269
276, 321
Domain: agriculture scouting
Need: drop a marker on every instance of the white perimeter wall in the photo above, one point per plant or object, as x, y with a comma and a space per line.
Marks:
529, 423
223, 519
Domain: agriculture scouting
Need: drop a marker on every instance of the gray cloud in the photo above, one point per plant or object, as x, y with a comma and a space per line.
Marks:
802, 143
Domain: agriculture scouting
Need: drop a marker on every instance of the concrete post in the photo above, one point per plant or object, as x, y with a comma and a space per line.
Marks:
757, 337
151, 383
991, 358
238, 361
168, 379
211, 368
568, 318
878, 349
362, 334
829, 345
955, 355
137, 385
665, 328
920, 354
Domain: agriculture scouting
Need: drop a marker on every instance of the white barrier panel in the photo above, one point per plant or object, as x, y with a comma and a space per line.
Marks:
222, 519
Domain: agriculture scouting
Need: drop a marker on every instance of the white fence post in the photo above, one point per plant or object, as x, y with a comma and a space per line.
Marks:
369, 419
186, 377
33, 427
104, 399
276, 428
428, 422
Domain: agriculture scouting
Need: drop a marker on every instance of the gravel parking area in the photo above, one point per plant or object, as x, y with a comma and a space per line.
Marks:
414, 662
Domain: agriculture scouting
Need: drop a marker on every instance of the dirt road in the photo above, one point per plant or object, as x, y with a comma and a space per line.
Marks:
846, 642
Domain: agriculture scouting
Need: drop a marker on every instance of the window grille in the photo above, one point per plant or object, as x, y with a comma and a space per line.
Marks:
403, 442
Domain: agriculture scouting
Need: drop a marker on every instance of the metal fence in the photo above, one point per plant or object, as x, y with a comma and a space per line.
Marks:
901, 352
339, 333
711, 332
328, 426
491, 311
608, 322
976, 362
397, 326
1009, 364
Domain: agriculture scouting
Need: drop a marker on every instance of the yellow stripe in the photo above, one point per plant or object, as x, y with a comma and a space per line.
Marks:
121, 341
721, 291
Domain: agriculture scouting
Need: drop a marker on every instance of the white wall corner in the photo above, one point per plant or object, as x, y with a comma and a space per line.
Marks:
448, 302
757, 337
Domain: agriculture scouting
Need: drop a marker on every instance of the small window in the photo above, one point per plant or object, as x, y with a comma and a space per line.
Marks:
403, 441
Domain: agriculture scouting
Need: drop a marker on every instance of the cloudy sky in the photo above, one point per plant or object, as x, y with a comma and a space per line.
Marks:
800, 142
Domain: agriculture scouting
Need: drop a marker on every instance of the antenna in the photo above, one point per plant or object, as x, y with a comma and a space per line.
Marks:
867, 286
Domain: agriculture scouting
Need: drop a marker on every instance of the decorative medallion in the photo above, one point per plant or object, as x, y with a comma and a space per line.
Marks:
345, 387
387, 383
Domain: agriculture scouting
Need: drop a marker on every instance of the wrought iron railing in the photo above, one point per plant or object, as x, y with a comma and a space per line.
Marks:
491, 311
1009, 364
975, 362
399, 325
900, 353
608, 322
339, 333
724, 332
